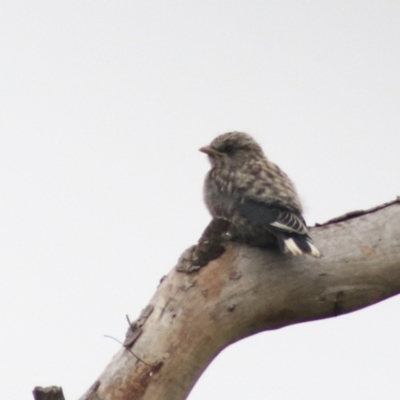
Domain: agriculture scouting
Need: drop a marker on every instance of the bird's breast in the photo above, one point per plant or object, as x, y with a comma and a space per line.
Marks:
219, 201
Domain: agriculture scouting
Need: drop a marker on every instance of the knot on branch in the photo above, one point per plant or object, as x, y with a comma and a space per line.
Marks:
209, 247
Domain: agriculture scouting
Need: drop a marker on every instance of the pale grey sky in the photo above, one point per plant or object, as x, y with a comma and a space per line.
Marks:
104, 105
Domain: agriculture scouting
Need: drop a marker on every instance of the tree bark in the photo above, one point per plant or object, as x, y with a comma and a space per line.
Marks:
193, 316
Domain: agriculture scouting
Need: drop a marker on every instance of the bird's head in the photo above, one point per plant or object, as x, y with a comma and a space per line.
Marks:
232, 149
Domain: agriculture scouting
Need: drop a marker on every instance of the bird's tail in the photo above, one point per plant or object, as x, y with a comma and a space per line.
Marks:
297, 245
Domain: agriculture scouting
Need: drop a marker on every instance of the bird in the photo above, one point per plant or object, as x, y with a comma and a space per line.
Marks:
255, 196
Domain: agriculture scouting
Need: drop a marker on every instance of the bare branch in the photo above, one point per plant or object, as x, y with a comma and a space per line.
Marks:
247, 290
49, 393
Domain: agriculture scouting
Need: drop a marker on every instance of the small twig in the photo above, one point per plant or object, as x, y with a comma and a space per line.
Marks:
144, 362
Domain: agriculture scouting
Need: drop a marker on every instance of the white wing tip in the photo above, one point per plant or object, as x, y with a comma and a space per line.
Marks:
314, 251
292, 248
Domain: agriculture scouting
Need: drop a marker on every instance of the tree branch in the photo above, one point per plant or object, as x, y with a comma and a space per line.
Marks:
248, 290
49, 393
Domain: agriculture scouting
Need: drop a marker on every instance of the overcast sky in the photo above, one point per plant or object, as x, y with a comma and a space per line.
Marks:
103, 106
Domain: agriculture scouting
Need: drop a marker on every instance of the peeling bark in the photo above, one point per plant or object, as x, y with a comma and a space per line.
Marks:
248, 290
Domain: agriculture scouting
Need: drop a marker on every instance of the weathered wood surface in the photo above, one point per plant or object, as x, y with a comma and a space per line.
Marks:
248, 290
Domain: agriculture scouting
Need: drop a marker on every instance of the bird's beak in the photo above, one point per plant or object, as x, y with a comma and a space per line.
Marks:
210, 151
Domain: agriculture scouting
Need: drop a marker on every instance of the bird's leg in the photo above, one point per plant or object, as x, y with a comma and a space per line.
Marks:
209, 247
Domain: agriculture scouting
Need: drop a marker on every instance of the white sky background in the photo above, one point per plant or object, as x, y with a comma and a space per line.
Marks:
103, 106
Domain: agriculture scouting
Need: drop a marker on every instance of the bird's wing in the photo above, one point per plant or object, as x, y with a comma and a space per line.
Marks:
278, 217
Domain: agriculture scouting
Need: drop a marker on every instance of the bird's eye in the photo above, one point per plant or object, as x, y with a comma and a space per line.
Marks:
227, 149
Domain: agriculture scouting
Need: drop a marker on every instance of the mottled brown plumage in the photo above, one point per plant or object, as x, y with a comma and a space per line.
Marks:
254, 195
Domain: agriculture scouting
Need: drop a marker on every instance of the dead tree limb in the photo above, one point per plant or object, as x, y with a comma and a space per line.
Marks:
49, 393
193, 316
